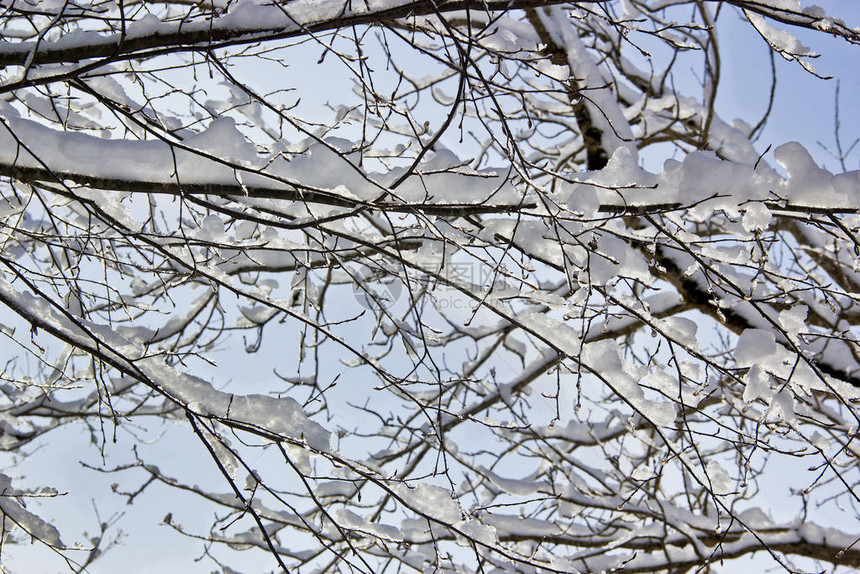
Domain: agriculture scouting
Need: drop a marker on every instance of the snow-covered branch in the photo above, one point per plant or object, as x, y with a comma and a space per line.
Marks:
410, 286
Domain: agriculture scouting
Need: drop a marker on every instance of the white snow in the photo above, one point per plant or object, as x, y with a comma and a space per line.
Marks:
429, 500
754, 346
602, 358
721, 482
756, 217
26, 520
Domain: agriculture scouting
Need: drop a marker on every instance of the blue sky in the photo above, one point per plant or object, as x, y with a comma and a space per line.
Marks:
804, 105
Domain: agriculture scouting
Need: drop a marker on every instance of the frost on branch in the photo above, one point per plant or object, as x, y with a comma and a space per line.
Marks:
423, 286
